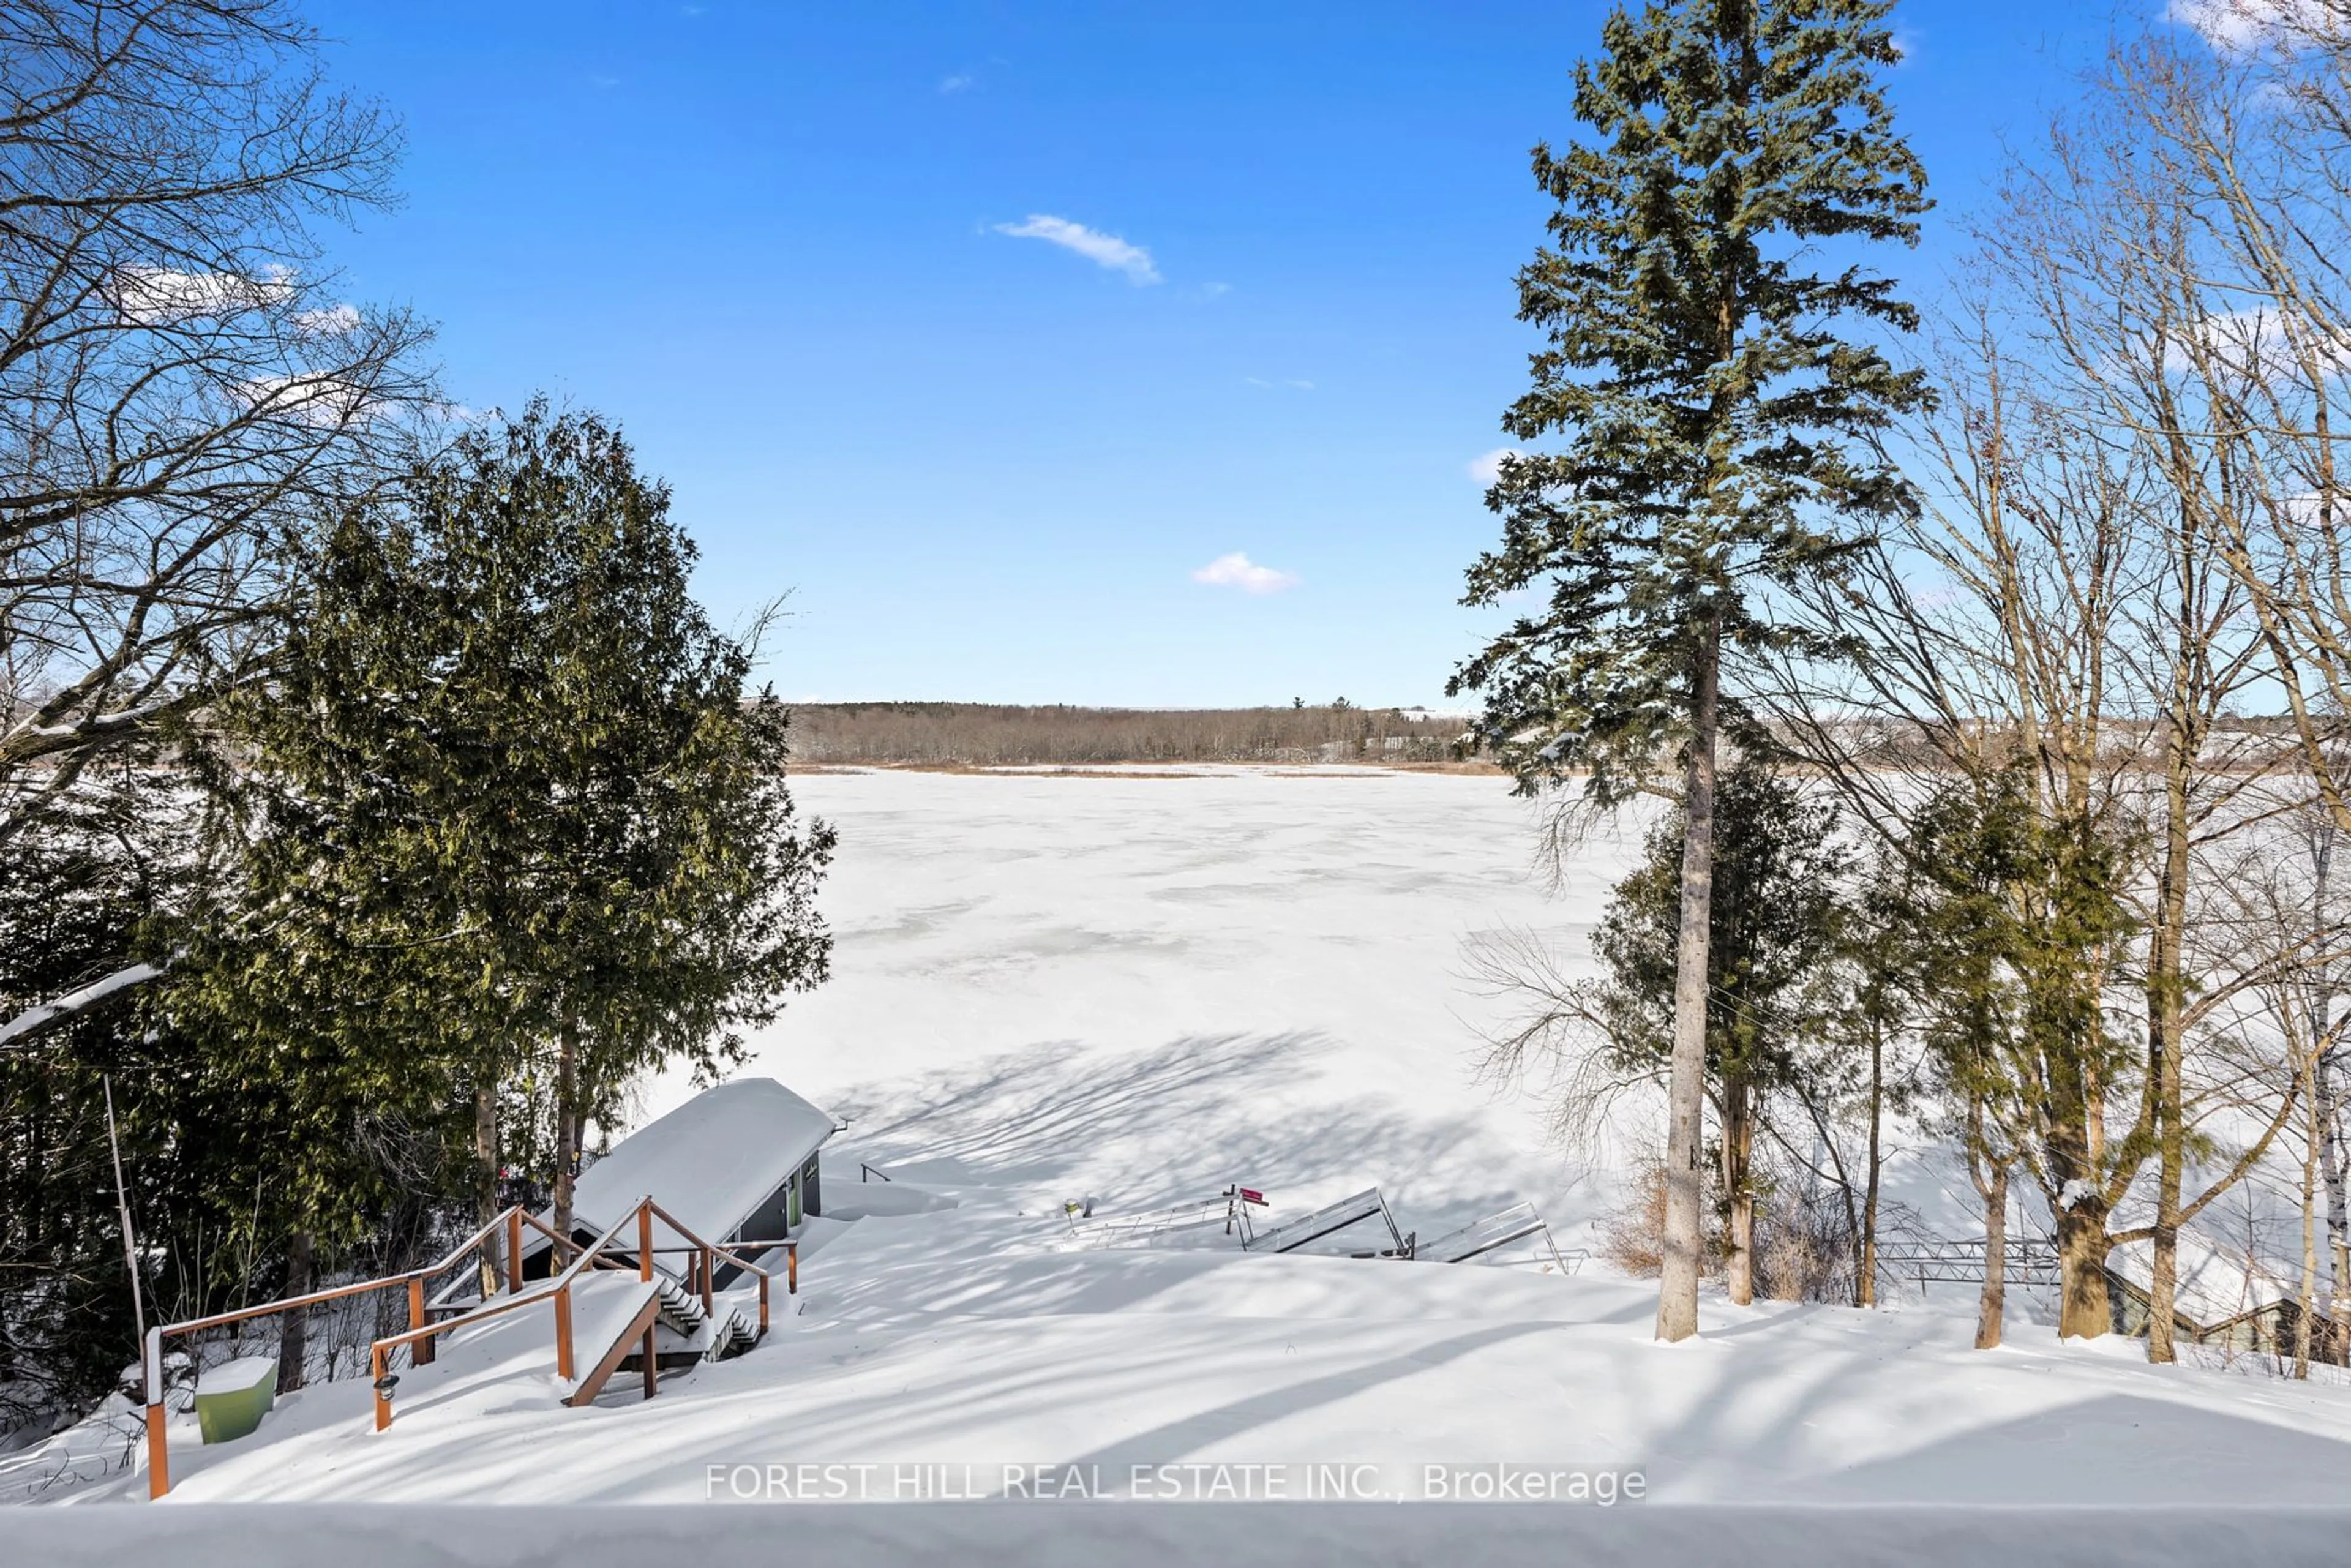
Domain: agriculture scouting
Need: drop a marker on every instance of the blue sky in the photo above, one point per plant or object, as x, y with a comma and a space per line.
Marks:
783, 244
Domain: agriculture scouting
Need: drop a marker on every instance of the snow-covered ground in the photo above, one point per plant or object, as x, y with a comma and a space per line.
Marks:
1138, 990
962, 1337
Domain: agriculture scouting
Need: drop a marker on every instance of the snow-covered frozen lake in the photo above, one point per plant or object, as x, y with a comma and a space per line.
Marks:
1141, 989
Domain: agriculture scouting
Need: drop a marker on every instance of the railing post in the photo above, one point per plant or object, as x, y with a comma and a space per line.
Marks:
420, 1352
652, 1373
792, 1268
710, 1268
763, 1304
646, 1239
563, 1334
382, 1394
514, 1249
159, 1453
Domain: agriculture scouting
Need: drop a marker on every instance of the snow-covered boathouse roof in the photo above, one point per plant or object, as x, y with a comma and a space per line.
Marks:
712, 1162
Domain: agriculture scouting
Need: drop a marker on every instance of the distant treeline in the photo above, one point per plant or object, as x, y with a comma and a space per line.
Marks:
988, 734
982, 735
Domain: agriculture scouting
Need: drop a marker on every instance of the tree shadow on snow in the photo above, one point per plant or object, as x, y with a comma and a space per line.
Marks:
1180, 1121
2115, 1448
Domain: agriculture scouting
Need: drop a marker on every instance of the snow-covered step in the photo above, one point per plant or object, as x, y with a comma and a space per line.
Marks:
687, 1326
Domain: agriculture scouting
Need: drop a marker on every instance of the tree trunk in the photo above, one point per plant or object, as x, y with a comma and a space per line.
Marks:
567, 1119
2339, 1238
2328, 1108
486, 1180
2163, 1280
294, 1338
1686, 1093
1738, 1189
2163, 1275
2307, 1300
2083, 1312
2328, 1132
1991, 1307
1864, 1288
2072, 1143
2166, 998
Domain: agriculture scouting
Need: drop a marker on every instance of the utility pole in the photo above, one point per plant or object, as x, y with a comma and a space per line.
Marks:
122, 1203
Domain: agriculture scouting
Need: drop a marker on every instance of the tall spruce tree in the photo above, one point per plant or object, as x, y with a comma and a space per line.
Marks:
1719, 431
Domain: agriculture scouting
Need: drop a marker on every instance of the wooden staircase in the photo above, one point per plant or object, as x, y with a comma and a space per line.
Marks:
591, 1301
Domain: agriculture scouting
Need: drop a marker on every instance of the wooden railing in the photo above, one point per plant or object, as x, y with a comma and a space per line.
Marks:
418, 1340
596, 1254
159, 1470
423, 1329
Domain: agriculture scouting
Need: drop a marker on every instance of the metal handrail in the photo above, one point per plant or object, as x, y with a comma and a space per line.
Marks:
1914, 1255
158, 1471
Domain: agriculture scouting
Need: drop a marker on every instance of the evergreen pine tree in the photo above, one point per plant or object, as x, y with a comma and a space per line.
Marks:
1775, 927
654, 887
508, 815
1718, 429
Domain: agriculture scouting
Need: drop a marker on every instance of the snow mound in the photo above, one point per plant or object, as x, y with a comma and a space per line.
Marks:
868, 1200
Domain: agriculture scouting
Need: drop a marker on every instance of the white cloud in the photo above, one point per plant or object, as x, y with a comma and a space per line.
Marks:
314, 399
1236, 570
960, 82
1295, 383
2265, 344
1486, 466
1211, 290
1103, 250
329, 320
160, 296
2235, 24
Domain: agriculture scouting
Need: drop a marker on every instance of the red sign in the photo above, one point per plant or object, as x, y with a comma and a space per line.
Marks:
1249, 1197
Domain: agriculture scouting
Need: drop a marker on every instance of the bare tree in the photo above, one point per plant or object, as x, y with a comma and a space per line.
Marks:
2253, 133
2116, 488
2103, 239
1983, 638
181, 382
1556, 1038
2319, 833
2270, 1070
